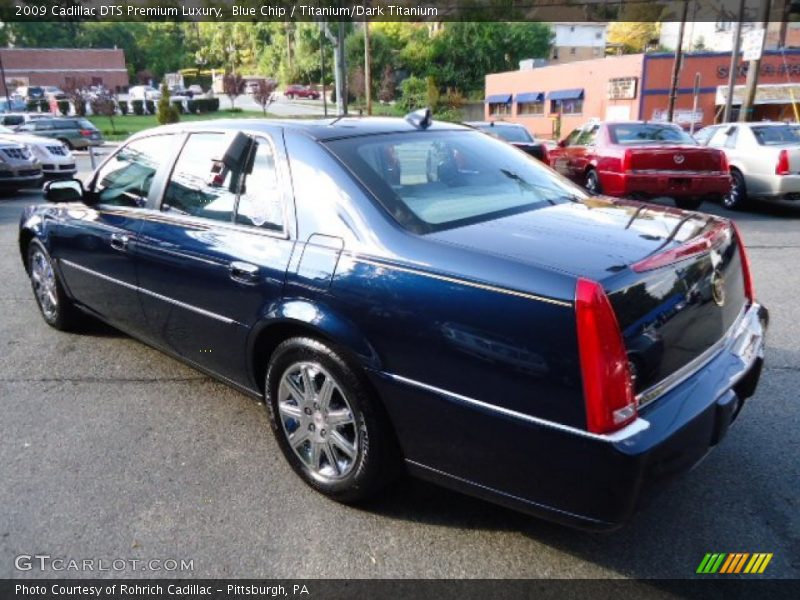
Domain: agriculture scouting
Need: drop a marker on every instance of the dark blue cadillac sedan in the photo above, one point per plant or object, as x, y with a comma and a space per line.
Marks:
403, 293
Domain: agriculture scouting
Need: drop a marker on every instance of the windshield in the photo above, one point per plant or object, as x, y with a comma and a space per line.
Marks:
434, 180
776, 135
648, 133
509, 134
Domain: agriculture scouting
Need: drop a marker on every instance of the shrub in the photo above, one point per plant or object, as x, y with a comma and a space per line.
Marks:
63, 107
32, 105
123, 107
191, 106
150, 106
414, 93
213, 104
178, 106
167, 111
137, 106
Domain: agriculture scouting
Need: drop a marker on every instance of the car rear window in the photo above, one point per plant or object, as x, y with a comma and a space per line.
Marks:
85, 124
434, 180
776, 135
648, 133
510, 134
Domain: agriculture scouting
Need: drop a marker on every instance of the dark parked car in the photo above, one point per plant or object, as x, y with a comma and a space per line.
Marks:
408, 293
76, 133
515, 134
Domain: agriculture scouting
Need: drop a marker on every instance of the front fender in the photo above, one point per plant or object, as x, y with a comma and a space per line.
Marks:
32, 224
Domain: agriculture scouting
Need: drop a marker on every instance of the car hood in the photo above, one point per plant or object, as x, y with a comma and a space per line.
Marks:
594, 238
28, 140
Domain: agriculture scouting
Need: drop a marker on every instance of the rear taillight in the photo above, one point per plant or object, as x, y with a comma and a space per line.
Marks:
545, 155
697, 245
782, 168
626, 161
86, 132
723, 162
607, 384
749, 291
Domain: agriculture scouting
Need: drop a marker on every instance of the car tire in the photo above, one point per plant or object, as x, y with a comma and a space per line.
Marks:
688, 203
592, 182
57, 309
736, 199
328, 423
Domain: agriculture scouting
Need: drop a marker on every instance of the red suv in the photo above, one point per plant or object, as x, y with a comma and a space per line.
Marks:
301, 91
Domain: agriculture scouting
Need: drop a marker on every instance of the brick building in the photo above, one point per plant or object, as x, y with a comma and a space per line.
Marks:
637, 86
61, 66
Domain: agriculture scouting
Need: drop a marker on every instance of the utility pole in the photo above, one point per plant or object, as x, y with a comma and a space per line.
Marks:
367, 61
322, 71
676, 65
338, 66
751, 84
5, 85
733, 72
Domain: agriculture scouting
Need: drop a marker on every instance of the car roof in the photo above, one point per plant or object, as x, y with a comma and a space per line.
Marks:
318, 129
492, 124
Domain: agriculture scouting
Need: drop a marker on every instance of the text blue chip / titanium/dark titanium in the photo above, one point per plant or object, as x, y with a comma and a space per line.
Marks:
418, 295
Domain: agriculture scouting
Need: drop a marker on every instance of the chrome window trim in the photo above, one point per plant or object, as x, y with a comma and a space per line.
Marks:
130, 286
630, 430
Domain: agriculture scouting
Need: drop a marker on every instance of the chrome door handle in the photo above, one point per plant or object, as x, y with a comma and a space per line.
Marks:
242, 271
119, 241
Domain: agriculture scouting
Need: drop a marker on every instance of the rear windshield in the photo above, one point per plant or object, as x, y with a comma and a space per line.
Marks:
509, 134
648, 133
434, 180
776, 135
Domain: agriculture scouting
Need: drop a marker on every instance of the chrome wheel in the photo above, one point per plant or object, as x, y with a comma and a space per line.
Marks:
592, 182
738, 194
44, 284
318, 420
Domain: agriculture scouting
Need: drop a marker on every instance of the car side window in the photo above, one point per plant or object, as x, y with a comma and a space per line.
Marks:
126, 178
201, 184
719, 138
587, 137
259, 196
732, 134
43, 125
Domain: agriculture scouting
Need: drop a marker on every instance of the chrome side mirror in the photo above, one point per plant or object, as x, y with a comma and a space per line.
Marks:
64, 190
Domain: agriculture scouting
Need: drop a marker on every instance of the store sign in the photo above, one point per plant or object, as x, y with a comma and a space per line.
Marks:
765, 94
681, 116
767, 69
752, 44
622, 88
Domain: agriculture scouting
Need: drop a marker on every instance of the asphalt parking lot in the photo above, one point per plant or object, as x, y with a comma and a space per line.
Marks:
109, 449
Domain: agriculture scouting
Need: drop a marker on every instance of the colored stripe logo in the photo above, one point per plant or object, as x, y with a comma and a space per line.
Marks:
734, 563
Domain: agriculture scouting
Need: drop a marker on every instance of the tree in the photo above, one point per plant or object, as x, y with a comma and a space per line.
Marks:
388, 86
414, 93
232, 87
264, 94
636, 27
103, 105
166, 111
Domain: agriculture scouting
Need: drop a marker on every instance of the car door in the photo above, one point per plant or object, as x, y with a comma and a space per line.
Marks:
95, 243
581, 153
216, 258
559, 156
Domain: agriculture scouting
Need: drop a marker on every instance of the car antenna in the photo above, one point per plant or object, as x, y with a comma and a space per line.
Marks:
421, 119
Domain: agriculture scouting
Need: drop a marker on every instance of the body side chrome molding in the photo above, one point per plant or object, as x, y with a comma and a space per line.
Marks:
459, 281
156, 295
629, 430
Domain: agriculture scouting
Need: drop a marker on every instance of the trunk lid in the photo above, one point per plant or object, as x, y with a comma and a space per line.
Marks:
674, 158
674, 278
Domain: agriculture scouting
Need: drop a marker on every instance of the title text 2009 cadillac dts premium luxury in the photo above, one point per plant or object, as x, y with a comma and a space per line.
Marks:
412, 294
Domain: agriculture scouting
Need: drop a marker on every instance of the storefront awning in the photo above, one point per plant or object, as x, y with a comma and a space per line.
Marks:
775, 93
530, 97
576, 94
498, 99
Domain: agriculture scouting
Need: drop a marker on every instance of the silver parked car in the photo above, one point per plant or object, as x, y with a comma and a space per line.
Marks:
19, 168
764, 159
